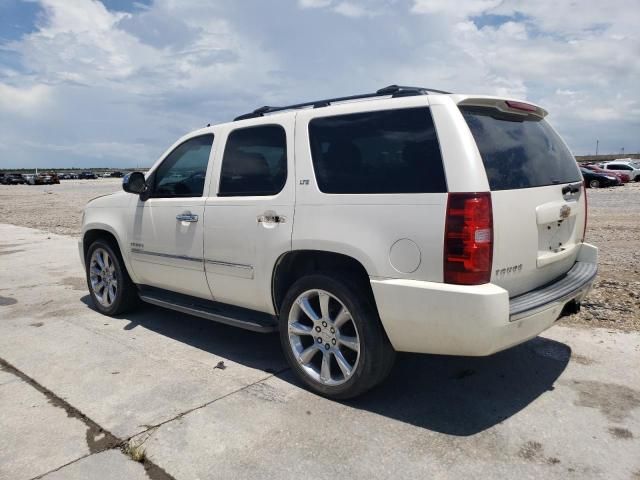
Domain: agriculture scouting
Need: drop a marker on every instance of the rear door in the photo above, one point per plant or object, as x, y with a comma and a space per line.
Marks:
249, 214
537, 196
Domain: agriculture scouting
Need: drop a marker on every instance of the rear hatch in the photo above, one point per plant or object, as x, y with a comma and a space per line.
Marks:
537, 194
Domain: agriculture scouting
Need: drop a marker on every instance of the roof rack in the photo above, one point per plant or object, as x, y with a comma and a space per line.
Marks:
392, 90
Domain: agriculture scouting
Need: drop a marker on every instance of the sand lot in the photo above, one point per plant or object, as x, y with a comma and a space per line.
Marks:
614, 226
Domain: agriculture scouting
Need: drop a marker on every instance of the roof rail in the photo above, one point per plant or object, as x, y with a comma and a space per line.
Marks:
392, 90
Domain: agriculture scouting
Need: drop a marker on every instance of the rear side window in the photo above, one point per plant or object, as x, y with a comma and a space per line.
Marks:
254, 162
619, 167
390, 151
519, 151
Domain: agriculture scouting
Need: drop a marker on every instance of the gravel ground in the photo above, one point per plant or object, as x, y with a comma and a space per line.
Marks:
52, 208
614, 226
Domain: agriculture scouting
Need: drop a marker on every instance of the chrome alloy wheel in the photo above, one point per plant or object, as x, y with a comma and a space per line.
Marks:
324, 338
102, 275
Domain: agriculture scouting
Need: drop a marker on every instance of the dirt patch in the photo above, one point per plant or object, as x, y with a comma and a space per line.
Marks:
5, 246
530, 450
534, 452
621, 433
76, 283
265, 392
6, 301
614, 401
9, 252
36, 324
581, 359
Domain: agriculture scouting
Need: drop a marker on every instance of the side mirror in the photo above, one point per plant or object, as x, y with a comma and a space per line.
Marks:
134, 182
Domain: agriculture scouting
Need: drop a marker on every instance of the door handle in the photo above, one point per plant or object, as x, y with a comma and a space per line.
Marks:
187, 217
271, 219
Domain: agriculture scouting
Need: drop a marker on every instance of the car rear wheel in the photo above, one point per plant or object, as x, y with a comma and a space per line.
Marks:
332, 336
110, 286
594, 183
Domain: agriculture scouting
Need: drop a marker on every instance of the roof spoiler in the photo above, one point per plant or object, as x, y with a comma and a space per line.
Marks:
517, 107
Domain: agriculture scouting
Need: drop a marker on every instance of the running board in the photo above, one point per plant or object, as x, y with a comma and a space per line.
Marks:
218, 312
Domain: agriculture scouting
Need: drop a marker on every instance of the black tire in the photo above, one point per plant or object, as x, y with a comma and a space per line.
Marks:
126, 293
376, 355
594, 183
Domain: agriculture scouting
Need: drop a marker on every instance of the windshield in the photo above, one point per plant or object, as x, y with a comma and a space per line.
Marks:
519, 151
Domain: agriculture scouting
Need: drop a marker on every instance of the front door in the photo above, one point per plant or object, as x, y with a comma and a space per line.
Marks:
167, 229
250, 213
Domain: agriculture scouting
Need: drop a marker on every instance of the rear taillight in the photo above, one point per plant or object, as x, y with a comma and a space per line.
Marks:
586, 210
468, 239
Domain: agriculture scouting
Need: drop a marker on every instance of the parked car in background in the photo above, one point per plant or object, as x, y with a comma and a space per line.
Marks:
49, 178
30, 178
627, 167
14, 179
87, 175
598, 180
117, 174
624, 178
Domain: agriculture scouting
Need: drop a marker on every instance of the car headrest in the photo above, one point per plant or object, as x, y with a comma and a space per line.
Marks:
245, 164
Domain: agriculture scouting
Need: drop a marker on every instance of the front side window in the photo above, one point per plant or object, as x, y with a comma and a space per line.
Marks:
254, 162
183, 171
387, 151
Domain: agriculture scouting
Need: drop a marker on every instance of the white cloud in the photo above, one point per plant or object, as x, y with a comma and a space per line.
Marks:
458, 8
349, 9
24, 101
314, 3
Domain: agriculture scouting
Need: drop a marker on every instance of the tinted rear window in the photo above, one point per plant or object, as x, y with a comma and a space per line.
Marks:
519, 152
254, 162
389, 151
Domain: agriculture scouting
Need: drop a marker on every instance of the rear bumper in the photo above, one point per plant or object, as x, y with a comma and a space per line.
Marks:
429, 317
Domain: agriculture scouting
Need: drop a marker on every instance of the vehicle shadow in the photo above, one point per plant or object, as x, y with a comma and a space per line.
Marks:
466, 395
251, 349
453, 395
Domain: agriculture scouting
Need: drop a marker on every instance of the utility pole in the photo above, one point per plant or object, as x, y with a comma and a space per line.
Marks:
597, 144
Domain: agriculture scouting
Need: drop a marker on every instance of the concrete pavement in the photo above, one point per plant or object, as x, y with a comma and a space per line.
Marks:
210, 401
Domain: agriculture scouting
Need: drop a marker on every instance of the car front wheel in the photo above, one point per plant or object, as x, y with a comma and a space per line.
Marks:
594, 183
332, 336
111, 289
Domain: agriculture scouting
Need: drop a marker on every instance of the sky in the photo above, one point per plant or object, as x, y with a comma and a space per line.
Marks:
113, 83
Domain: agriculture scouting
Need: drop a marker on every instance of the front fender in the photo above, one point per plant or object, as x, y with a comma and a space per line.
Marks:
113, 224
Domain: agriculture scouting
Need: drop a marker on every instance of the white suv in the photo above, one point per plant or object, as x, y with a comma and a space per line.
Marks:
405, 220
627, 167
